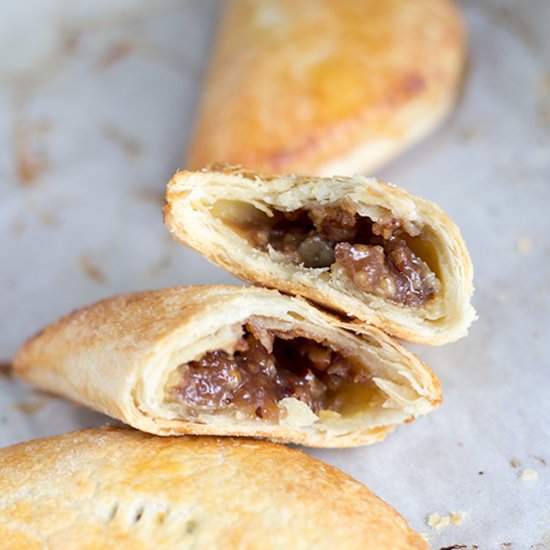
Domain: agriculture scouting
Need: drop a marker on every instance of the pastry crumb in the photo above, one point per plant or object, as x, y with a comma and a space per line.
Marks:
539, 459
91, 270
457, 517
505, 545
436, 521
31, 159
32, 407
524, 245
514, 462
528, 475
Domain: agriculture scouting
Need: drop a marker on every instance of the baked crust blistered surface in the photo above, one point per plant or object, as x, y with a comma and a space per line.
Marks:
323, 87
118, 488
190, 216
118, 356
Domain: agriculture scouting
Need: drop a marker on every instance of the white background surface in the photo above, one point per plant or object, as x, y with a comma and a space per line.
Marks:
96, 104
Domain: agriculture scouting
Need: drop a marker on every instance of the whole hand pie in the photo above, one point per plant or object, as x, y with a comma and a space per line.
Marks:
323, 87
357, 246
231, 361
114, 488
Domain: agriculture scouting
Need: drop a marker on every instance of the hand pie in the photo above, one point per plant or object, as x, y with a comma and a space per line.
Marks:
324, 87
354, 245
115, 488
230, 361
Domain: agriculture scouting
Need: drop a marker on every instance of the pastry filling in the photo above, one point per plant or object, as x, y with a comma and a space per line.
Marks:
377, 256
266, 367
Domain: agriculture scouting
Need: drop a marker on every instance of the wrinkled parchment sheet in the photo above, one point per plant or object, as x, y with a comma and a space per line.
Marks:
97, 104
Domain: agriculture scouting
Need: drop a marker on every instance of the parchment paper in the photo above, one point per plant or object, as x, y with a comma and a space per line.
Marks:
96, 104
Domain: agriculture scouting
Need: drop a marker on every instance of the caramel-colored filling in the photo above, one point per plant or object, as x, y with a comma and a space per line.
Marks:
376, 255
266, 367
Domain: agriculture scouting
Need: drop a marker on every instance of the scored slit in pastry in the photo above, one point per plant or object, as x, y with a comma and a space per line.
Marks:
354, 245
231, 361
113, 488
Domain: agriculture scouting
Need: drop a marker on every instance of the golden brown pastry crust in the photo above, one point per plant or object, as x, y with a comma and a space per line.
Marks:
319, 87
119, 356
189, 217
115, 488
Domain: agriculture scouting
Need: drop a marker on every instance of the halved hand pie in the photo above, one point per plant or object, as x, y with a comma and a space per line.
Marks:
354, 245
231, 361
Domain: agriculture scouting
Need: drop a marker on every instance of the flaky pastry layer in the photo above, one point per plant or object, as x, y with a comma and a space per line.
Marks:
119, 357
200, 203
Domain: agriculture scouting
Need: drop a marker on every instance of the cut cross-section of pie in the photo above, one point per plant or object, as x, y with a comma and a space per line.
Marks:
357, 246
231, 361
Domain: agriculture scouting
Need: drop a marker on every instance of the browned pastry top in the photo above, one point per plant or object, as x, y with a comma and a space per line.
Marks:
118, 488
294, 86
